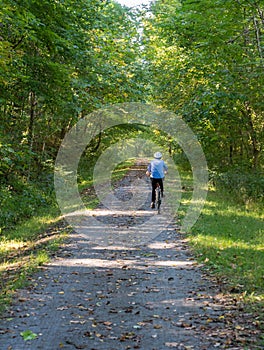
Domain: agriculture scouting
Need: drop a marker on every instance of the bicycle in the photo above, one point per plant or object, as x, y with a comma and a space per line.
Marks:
158, 197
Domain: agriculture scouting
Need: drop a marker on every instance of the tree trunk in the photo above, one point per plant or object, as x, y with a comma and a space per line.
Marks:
32, 113
252, 136
32, 101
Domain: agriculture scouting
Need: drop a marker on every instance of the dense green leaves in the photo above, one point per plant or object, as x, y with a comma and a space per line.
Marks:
59, 60
64, 59
206, 59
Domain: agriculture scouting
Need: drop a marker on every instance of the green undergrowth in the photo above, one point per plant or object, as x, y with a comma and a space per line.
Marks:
32, 231
23, 200
228, 238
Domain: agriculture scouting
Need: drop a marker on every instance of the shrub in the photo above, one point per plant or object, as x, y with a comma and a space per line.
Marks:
247, 185
20, 201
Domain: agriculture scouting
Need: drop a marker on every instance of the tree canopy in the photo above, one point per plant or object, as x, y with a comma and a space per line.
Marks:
206, 63
60, 60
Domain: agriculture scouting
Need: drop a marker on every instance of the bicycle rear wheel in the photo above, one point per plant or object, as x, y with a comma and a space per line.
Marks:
158, 199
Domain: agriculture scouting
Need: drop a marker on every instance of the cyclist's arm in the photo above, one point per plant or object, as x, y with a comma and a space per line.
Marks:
148, 172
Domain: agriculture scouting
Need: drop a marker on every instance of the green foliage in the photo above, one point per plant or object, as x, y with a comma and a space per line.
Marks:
65, 59
244, 185
20, 201
101, 142
211, 72
58, 62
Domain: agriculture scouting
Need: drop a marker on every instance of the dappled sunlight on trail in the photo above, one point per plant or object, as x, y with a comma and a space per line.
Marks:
125, 279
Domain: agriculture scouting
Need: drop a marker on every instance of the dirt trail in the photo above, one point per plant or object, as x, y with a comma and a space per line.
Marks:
149, 295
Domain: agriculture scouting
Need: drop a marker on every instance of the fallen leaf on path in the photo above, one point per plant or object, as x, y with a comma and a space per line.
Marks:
77, 322
28, 335
126, 336
157, 326
172, 345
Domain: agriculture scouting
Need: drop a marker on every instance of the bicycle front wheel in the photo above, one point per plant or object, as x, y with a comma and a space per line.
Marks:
158, 200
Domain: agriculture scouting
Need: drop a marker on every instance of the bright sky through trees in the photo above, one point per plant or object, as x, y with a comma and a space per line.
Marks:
132, 3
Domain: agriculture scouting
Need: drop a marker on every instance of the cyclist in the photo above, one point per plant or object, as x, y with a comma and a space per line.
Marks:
156, 170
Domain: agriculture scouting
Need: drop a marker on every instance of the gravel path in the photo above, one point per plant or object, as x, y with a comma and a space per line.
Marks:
149, 295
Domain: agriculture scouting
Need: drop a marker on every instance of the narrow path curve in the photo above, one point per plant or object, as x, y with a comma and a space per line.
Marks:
151, 295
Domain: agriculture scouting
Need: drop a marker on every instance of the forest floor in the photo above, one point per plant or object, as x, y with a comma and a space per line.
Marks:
124, 293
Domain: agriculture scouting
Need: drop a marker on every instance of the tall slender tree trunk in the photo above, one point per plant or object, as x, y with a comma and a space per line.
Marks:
32, 113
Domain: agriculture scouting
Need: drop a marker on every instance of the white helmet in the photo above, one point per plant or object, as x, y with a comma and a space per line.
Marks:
157, 155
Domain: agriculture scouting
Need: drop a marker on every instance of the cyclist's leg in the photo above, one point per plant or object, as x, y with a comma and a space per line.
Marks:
153, 194
161, 186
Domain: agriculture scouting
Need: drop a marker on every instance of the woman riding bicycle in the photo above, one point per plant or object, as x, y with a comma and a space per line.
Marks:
156, 170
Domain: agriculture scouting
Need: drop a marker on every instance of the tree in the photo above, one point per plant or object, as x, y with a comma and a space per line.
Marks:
207, 65
59, 60
62, 60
